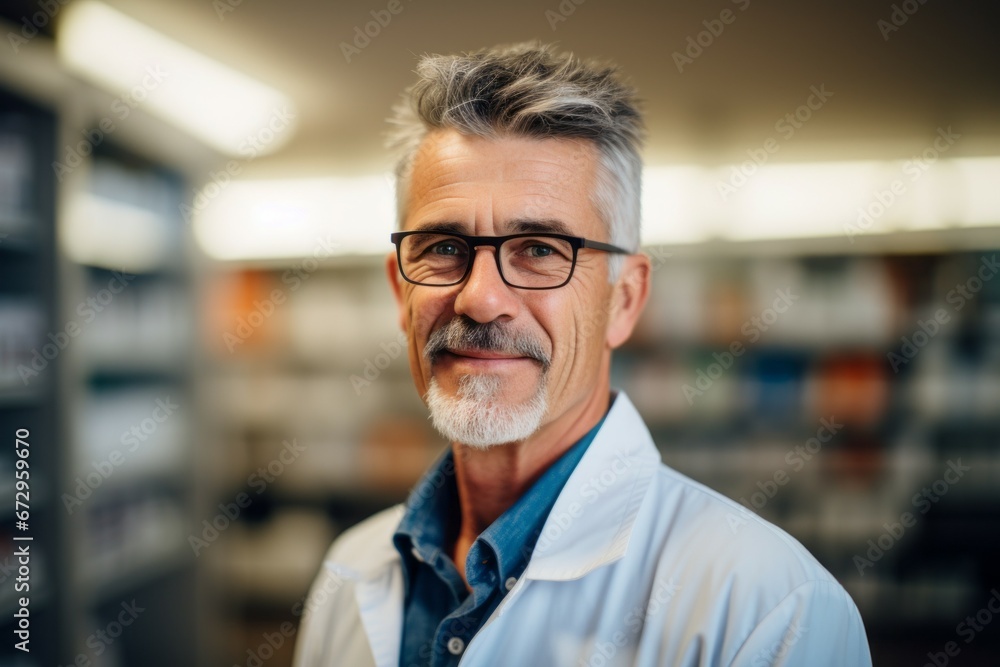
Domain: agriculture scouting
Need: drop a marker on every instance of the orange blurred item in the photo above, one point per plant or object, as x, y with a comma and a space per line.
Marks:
853, 388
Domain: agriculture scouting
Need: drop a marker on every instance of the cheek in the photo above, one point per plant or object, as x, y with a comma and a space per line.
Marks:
424, 313
576, 327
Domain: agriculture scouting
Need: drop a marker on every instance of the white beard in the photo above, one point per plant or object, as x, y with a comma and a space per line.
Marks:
475, 418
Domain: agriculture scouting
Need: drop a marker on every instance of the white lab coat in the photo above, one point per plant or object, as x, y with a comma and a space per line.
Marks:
637, 565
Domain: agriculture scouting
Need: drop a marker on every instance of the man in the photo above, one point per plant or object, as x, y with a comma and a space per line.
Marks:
549, 533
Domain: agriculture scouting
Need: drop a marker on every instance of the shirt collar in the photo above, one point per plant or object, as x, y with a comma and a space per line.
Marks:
513, 535
432, 512
429, 511
591, 523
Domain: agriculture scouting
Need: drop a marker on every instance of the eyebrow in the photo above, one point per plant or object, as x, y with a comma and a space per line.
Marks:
522, 225
516, 226
444, 227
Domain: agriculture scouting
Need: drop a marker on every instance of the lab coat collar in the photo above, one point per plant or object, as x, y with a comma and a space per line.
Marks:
591, 523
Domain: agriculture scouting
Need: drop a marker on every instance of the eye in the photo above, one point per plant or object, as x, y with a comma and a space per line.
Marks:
445, 248
539, 250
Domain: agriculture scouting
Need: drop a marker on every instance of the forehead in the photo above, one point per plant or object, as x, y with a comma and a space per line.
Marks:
489, 185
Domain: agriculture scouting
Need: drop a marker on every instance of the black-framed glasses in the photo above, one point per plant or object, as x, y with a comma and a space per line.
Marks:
526, 261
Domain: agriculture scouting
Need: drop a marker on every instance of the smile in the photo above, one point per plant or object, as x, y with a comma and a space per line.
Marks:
477, 358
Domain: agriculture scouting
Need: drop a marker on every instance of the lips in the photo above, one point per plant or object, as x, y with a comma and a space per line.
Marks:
482, 354
490, 345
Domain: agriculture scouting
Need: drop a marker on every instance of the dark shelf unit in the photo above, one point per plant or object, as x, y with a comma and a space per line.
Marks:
28, 309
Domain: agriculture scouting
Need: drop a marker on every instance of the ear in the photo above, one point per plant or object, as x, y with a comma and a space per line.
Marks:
628, 298
396, 283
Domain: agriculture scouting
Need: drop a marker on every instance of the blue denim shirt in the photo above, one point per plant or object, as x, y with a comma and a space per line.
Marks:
441, 615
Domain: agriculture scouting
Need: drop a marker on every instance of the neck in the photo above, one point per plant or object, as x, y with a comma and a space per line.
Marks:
491, 480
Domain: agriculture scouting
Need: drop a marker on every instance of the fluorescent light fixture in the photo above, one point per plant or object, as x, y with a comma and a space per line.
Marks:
221, 107
295, 218
274, 219
110, 234
979, 191
676, 205
800, 200
815, 200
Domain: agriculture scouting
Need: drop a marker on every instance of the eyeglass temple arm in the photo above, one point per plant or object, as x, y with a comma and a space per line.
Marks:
606, 247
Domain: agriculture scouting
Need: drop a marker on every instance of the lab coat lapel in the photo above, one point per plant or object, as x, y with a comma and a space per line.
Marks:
380, 602
378, 589
592, 519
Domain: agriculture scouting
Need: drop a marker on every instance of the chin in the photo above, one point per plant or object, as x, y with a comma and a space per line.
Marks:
478, 416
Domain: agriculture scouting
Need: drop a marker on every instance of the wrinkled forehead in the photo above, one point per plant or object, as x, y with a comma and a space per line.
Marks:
472, 180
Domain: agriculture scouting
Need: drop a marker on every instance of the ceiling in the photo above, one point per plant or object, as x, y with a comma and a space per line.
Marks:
939, 69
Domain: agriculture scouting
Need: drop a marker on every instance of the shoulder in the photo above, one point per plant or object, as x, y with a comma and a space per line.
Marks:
683, 511
726, 553
743, 584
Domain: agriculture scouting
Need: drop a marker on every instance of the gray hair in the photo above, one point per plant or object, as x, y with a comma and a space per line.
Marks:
529, 90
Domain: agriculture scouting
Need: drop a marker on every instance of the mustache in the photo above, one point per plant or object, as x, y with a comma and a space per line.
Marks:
465, 333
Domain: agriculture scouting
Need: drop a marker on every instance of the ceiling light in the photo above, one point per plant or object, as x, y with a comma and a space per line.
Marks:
314, 217
221, 107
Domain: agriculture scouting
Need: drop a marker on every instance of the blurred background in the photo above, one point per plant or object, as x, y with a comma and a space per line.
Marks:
197, 337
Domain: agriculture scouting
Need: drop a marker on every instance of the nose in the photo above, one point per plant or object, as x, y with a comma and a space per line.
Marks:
484, 296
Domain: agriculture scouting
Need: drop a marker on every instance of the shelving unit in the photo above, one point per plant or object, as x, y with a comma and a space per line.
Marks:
96, 361
128, 489
27, 310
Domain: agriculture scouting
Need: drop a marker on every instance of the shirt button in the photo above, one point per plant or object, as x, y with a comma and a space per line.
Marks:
456, 645
509, 584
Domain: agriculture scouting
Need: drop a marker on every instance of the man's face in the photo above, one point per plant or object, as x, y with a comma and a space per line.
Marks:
494, 187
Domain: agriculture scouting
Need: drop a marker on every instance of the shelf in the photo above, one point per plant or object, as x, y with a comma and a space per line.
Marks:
125, 581
19, 396
16, 246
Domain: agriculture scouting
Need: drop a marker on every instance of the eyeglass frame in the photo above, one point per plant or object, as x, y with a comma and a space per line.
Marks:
474, 242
